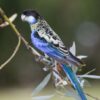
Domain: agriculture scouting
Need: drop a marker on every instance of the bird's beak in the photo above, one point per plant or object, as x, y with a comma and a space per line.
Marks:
23, 17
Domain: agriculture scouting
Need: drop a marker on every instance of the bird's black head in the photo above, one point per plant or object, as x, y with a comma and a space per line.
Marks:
30, 16
33, 13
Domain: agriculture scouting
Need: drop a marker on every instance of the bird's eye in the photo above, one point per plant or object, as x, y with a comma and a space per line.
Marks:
26, 13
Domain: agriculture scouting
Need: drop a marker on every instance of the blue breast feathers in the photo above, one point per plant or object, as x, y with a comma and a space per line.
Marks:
39, 42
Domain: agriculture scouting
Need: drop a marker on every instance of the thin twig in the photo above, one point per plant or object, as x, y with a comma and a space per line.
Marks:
89, 72
13, 54
4, 23
95, 98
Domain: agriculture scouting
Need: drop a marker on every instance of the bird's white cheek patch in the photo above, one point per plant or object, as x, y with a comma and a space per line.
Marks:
31, 19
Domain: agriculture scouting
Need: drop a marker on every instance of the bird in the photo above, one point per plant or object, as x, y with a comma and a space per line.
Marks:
45, 39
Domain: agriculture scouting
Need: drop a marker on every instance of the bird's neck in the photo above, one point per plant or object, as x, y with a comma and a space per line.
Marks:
35, 26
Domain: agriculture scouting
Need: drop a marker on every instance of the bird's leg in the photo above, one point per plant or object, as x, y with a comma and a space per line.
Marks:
52, 61
42, 59
49, 64
59, 79
39, 58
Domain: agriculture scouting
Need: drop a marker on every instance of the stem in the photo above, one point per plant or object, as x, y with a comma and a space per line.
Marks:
13, 54
95, 98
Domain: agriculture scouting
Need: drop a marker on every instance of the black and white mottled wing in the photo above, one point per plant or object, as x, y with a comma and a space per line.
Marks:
50, 36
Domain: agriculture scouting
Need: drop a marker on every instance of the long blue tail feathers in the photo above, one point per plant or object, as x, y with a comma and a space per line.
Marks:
74, 80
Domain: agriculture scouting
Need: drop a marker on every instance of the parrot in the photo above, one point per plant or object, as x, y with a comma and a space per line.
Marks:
45, 39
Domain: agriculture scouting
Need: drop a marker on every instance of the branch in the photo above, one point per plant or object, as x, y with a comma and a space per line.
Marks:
95, 98
13, 54
19, 39
3, 23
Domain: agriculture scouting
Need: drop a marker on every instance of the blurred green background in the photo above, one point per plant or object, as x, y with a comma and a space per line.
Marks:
73, 20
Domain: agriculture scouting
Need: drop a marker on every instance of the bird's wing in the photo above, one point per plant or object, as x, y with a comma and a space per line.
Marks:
51, 37
56, 44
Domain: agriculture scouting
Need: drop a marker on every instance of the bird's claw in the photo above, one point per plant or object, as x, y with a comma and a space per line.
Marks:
39, 59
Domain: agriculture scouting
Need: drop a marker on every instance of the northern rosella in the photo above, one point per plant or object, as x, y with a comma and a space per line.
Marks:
46, 40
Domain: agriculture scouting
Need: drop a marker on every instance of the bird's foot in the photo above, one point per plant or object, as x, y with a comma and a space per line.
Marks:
39, 58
